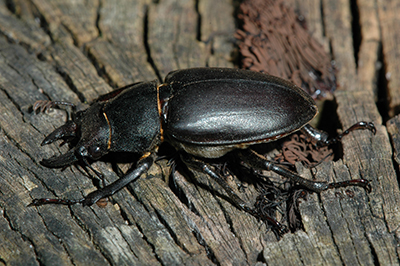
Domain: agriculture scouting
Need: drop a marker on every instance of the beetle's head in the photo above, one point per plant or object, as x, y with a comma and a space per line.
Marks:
87, 134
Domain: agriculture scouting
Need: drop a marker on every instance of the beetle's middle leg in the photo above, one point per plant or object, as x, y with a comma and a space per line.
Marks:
259, 162
199, 165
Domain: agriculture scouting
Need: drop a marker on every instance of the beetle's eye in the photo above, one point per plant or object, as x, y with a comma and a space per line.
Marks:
95, 152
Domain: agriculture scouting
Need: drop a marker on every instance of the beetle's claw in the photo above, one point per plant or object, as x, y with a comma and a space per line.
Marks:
60, 161
67, 130
372, 127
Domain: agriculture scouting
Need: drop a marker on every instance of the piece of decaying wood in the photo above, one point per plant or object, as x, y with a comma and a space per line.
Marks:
388, 21
393, 127
369, 63
365, 155
176, 48
148, 223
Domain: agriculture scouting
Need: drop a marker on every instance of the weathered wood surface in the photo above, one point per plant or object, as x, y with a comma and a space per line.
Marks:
77, 50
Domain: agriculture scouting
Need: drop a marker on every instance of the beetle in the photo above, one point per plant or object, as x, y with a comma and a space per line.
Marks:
203, 113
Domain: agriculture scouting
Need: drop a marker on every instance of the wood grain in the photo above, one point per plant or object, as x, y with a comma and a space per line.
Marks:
77, 50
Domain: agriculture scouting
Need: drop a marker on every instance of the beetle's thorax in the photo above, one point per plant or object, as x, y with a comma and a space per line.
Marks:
133, 119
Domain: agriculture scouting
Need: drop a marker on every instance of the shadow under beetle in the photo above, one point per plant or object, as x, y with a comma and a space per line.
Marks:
203, 113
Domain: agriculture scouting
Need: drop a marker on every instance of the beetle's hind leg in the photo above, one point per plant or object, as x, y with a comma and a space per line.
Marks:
259, 162
320, 138
202, 166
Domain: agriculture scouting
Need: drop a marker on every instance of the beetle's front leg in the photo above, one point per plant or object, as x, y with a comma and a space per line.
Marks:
109, 190
259, 162
199, 165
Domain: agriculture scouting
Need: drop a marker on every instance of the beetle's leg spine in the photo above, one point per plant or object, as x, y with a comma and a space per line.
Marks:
354, 182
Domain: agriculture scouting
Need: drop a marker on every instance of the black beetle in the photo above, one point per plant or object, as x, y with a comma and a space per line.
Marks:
202, 112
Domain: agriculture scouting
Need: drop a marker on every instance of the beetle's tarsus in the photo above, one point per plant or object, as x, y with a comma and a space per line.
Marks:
354, 182
89, 200
44, 201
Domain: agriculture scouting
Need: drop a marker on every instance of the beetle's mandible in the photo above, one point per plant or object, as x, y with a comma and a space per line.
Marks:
203, 113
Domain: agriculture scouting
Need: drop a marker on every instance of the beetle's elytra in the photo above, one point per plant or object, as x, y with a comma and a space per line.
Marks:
203, 113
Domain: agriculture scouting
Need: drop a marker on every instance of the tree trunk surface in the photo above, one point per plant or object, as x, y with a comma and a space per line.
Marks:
77, 50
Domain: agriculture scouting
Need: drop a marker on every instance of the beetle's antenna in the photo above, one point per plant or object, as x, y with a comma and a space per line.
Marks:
44, 106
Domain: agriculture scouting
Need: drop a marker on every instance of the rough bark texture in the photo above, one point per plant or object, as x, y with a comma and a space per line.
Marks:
77, 50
